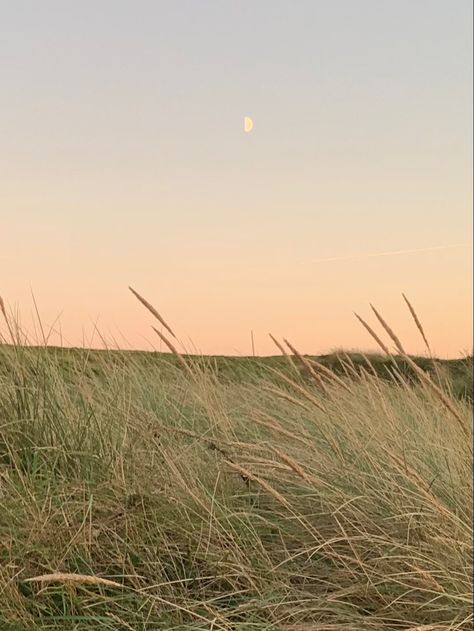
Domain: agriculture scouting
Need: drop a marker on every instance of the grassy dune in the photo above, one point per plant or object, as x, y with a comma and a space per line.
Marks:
148, 491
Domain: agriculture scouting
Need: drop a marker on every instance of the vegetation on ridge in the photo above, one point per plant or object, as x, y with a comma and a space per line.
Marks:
147, 491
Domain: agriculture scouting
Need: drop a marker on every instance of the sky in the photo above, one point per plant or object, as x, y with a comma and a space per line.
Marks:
124, 162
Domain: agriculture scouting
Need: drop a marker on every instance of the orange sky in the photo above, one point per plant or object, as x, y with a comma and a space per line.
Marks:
124, 162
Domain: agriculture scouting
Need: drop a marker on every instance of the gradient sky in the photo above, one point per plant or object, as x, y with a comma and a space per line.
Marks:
123, 161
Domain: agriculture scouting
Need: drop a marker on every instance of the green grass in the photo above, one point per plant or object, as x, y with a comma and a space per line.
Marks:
232, 498
457, 373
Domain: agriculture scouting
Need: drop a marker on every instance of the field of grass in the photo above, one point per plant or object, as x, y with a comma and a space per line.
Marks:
146, 491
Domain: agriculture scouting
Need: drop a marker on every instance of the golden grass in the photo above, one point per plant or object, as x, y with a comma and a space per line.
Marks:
424, 377
417, 323
78, 579
267, 504
390, 331
152, 310
308, 366
373, 334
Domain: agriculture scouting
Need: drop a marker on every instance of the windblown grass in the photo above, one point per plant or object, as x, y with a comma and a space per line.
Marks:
143, 494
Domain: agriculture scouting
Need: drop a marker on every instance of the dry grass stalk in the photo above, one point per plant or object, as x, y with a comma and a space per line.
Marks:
7, 321
435, 627
348, 366
285, 396
283, 351
266, 463
425, 378
409, 471
422, 333
415, 477
280, 347
370, 366
331, 375
307, 395
364, 375
216, 446
152, 310
212, 442
421, 373
269, 422
236, 444
323, 627
307, 365
82, 579
390, 332
175, 352
251, 476
373, 334
426, 576
417, 322
294, 466
198, 437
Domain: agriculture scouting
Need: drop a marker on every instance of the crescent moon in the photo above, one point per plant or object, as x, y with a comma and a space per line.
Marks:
248, 124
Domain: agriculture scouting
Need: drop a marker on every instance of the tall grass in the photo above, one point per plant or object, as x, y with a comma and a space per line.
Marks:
137, 494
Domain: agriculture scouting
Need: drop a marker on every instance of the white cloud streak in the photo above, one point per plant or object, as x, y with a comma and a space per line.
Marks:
391, 253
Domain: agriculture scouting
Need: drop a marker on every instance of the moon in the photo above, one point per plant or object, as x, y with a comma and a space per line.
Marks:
248, 124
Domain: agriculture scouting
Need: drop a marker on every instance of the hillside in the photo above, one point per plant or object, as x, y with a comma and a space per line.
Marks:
233, 369
138, 491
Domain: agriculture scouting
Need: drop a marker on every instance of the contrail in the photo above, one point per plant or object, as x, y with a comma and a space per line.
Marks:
391, 253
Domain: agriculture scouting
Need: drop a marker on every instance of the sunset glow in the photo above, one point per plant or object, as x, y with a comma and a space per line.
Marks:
123, 162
